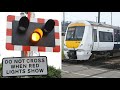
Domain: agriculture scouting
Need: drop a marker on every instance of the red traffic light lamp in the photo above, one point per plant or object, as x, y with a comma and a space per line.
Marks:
48, 27
23, 24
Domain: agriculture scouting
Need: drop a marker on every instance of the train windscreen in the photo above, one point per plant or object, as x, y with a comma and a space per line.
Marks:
75, 33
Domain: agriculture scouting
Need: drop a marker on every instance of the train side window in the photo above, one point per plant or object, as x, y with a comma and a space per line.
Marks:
95, 35
101, 36
115, 36
118, 38
105, 36
108, 37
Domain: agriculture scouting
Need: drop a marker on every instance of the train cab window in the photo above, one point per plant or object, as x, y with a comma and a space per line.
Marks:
95, 35
79, 32
105, 36
70, 33
75, 33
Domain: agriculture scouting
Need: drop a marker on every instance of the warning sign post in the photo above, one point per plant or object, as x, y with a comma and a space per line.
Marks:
24, 66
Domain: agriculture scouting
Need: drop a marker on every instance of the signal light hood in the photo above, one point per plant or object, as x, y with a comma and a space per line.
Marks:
48, 27
23, 24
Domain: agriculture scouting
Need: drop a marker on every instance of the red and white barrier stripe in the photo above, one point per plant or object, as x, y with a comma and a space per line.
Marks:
9, 45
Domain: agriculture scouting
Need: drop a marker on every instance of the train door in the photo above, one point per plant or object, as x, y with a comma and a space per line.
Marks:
116, 40
105, 39
95, 39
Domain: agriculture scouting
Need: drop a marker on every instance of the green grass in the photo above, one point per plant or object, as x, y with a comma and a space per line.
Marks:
52, 73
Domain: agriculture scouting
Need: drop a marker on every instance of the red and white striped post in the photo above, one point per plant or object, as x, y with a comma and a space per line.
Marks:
25, 53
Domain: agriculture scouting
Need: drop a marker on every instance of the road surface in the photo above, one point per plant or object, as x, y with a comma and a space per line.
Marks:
92, 69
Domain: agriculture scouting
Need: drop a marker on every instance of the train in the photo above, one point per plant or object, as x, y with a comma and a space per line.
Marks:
87, 40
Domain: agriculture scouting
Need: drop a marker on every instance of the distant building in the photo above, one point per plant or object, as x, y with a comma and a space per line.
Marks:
64, 26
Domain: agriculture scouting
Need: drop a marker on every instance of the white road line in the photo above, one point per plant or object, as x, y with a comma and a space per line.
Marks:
98, 77
76, 66
80, 66
87, 75
81, 74
65, 71
65, 65
100, 69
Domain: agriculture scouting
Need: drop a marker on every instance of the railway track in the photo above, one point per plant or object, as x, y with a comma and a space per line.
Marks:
112, 63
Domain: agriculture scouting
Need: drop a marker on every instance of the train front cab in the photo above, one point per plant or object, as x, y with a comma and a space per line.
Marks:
78, 41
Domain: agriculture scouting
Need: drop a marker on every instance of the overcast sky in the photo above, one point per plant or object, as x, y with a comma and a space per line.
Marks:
104, 17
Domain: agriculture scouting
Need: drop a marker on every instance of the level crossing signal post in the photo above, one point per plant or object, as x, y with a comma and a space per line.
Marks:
28, 34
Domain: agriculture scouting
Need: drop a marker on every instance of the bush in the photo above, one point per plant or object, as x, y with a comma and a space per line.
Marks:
52, 73
0, 70
63, 57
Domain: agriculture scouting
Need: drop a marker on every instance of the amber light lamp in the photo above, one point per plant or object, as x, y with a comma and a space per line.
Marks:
36, 35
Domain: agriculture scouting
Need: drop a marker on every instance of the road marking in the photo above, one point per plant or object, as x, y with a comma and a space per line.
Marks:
98, 77
87, 75
99, 69
65, 65
81, 74
65, 71
76, 66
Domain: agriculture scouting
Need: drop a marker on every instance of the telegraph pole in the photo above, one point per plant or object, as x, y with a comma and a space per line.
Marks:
111, 18
98, 17
63, 21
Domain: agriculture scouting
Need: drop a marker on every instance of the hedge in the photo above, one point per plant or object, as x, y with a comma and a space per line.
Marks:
0, 70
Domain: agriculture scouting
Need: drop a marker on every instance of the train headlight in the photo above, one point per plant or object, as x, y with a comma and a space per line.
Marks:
80, 50
65, 49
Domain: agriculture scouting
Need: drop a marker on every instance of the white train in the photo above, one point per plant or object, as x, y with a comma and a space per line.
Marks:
87, 39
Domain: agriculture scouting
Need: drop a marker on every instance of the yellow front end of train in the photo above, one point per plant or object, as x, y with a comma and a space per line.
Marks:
74, 35
73, 39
